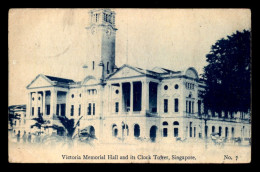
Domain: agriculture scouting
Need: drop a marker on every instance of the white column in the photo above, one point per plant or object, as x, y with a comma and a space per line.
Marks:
120, 106
60, 110
29, 105
36, 100
110, 104
145, 96
43, 103
84, 104
159, 98
53, 103
131, 96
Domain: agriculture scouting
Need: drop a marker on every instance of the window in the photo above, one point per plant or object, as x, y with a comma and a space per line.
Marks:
176, 105
213, 129
165, 123
117, 91
176, 132
166, 87
72, 95
79, 109
165, 105
116, 108
165, 132
187, 106
226, 132
220, 131
57, 110
176, 86
93, 108
206, 131
194, 131
107, 67
175, 123
89, 109
192, 107
93, 65
48, 109
136, 130
32, 111
232, 132
190, 129
72, 110
39, 98
199, 107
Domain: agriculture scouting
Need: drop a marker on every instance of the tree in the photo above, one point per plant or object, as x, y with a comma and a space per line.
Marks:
69, 125
227, 75
39, 122
12, 117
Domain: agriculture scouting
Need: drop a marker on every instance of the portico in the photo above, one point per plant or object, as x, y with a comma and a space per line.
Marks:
129, 97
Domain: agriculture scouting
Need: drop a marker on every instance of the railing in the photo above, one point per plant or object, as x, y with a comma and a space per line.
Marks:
208, 117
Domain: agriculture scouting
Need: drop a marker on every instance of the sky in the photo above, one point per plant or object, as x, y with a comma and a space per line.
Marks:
53, 41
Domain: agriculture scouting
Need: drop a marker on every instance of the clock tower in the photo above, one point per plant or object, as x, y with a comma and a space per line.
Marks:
101, 34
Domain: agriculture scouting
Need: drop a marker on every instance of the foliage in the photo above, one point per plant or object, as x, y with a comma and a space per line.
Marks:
12, 117
69, 125
227, 75
39, 122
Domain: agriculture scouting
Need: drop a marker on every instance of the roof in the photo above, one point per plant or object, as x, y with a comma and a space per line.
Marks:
164, 71
157, 72
61, 80
17, 107
140, 70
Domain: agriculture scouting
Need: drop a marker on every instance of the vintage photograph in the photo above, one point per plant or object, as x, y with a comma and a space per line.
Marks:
129, 85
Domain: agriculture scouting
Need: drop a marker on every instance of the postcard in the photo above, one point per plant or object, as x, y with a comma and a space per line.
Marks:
129, 85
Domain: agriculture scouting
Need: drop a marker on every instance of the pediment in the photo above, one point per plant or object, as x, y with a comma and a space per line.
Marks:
39, 81
126, 72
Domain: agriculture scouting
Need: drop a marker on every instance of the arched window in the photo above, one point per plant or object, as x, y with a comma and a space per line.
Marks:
107, 67
206, 131
220, 130
232, 132
213, 129
226, 132
190, 129
114, 130
176, 129
175, 123
165, 123
176, 105
153, 131
125, 130
165, 129
136, 130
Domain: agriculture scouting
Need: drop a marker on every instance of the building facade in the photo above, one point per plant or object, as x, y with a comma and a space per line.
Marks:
130, 102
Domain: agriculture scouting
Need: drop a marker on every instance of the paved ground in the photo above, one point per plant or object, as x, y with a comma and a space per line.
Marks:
137, 152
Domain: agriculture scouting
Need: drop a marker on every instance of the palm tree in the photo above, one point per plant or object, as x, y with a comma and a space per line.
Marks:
69, 125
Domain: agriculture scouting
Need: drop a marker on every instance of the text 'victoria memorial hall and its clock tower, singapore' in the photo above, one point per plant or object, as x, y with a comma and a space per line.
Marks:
128, 102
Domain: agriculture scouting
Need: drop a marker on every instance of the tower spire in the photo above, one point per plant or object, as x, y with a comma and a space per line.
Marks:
127, 40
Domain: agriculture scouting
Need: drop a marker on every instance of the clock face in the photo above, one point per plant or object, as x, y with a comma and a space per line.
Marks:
93, 30
108, 32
